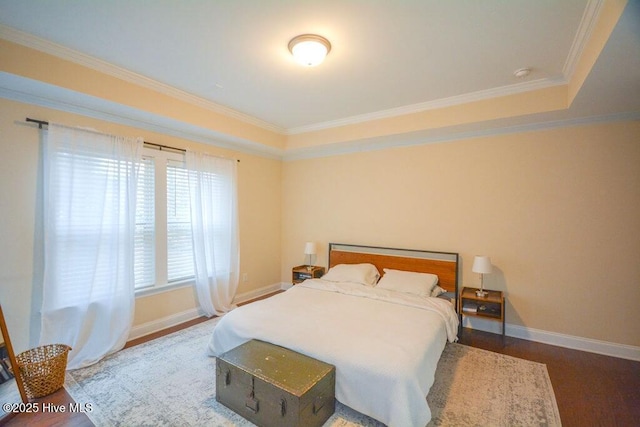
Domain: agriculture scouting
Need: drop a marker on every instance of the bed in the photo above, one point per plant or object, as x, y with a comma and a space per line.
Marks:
385, 340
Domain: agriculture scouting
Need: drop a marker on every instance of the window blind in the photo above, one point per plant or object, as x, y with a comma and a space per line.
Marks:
144, 244
180, 264
87, 198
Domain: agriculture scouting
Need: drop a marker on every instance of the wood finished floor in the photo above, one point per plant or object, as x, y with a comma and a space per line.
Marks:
590, 389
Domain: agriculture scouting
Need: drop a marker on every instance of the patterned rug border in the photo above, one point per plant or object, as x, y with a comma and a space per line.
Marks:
554, 415
79, 396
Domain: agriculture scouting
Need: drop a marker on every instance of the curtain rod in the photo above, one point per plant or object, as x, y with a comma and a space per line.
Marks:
158, 146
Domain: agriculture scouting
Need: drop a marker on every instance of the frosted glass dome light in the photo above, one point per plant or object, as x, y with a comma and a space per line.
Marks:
309, 49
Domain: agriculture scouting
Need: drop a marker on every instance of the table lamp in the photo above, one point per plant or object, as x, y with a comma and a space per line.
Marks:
482, 265
310, 249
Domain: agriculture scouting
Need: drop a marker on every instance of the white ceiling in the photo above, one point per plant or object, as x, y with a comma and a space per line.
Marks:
387, 57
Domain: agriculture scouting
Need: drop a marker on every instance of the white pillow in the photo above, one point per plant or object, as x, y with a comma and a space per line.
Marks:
366, 274
409, 282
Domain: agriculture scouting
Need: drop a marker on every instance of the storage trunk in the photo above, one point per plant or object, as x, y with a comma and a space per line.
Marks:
273, 386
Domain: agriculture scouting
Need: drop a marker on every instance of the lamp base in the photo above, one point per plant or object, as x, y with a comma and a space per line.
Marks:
481, 294
309, 267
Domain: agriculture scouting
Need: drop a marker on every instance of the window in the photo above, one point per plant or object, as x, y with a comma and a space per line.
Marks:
163, 247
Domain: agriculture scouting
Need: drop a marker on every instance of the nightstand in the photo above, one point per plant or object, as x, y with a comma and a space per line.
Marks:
302, 272
490, 307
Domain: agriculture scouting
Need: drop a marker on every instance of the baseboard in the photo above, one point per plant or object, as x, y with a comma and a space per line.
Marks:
552, 338
257, 293
163, 323
184, 316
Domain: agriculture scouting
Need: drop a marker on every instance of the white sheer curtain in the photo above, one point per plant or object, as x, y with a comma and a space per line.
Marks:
214, 227
89, 222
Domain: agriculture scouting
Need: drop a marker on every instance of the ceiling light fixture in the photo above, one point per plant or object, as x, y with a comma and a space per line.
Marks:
522, 72
309, 49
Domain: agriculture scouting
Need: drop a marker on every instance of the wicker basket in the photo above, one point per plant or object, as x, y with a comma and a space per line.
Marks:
42, 369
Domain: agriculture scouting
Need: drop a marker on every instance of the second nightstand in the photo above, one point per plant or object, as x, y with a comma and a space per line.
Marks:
490, 307
302, 272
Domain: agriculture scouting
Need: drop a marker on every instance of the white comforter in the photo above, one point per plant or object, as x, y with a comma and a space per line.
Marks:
385, 345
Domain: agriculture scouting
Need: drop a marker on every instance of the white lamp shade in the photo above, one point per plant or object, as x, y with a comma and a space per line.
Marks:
481, 264
310, 248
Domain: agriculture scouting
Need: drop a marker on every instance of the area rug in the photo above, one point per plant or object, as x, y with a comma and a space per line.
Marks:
170, 381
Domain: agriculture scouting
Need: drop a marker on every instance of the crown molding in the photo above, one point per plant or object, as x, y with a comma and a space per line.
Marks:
433, 105
95, 108
48, 96
418, 139
29, 40
587, 24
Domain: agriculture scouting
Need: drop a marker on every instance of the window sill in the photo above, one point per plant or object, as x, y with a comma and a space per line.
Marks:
154, 290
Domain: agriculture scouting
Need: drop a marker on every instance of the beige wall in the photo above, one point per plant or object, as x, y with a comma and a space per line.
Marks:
259, 187
557, 211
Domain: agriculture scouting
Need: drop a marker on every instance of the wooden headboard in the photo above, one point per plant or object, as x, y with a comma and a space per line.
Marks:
443, 264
